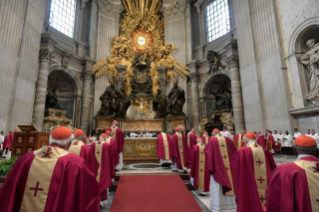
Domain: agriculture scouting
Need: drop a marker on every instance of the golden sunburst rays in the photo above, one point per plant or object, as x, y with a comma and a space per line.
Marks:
143, 6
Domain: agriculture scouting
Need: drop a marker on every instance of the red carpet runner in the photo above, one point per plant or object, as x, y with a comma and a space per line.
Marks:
163, 193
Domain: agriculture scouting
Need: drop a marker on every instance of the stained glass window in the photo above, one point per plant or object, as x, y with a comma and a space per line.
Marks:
217, 19
62, 16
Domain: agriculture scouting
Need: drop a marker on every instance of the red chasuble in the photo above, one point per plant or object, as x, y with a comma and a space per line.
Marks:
163, 146
87, 153
205, 139
251, 172
179, 150
118, 135
115, 159
294, 187
50, 179
199, 169
219, 156
240, 139
104, 155
191, 140
8, 142
261, 141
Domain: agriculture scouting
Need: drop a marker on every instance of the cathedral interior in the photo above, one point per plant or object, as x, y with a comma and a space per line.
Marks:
157, 64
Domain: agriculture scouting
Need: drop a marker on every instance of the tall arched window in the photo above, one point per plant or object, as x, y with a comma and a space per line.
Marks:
217, 19
62, 16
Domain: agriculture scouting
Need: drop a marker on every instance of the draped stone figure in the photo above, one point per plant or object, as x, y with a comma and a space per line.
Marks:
311, 60
176, 100
160, 104
52, 100
123, 103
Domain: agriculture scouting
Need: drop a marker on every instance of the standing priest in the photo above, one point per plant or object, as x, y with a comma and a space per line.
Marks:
219, 152
163, 149
252, 167
294, 186
205, 138
84, 151
179, 151
199, 172
191, 138
51, 179
118, 135
104, 155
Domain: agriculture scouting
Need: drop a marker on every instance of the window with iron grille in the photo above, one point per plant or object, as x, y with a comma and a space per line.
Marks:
62, 16
217, 19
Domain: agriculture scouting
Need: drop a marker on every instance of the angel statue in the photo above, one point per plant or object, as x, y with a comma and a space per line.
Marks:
311, 60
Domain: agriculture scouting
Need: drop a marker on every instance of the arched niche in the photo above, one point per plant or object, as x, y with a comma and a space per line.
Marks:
219, 83
66, 90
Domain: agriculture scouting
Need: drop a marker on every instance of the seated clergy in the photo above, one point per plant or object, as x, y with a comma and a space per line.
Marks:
294, 186
163, 149
251, 167
205, 138
199, 172
84, 151
179, 151
51, 179
104, 155
219, 156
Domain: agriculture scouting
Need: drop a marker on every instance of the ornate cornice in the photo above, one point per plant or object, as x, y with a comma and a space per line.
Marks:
45, 55
232, 61
176, 10
106, 7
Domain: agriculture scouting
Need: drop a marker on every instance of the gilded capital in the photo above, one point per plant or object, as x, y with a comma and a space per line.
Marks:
45, 55
233, 61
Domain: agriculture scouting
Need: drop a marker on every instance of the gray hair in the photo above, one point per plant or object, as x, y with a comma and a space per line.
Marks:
215, 133
309, 150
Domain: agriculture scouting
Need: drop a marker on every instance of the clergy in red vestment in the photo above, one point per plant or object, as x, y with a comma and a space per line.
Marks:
294, 186
205, 138
191, 138
179, 151
251, 167
118, 135
239, 138
90, 140
51, 179
8, 142
219, 152
163, 149
84, 151
104, 155
108, 139
199, 172
261, 140
269, 137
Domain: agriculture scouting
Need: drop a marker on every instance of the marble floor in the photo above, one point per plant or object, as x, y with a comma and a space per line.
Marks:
156, 169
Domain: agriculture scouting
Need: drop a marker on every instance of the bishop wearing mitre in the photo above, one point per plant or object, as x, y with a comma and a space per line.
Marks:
179, 151
219, 155
294, 186
104, 155
205, 137
251, 167
84, 151
118, 135
163, 149
199, 172
51, 179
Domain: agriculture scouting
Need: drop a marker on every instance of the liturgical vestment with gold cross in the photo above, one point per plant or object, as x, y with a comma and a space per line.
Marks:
294, 187
179, 151
251, 167
50, 179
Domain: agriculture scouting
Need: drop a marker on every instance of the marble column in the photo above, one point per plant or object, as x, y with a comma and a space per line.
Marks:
237, 100
45, 57
194, 109
162, 77
87, 75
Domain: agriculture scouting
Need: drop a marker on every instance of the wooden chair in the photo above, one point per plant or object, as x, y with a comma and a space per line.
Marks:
269, 145
279, 147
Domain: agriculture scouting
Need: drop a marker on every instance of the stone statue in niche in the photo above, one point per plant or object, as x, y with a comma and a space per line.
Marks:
214, 61
160, 104
311, 60
123, 103
176, 100
52, 100
223, 100
108, 99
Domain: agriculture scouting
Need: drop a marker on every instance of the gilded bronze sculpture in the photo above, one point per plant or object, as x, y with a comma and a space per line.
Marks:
176, 101
160, 104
